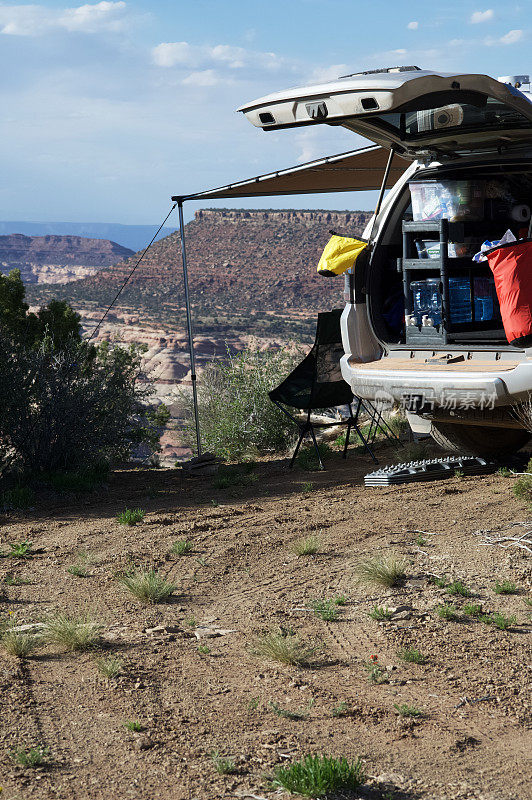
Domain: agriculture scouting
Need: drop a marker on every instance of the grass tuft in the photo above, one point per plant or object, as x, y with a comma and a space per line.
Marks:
522, 488
473, 609
79, 569
341, 710
131, 516
134, 725
181, 547
222, 764
73, 632
441, 582
148, 586
21, 550
411, 655
380, 613
326, 609
458, 588
319, 776
31, 757
505, 587
85, 480
447, 611
16, 580
110, 667
308, 546
499, 620
282, 712
286, 648
384, 570
504, 472
406, 710
20, 643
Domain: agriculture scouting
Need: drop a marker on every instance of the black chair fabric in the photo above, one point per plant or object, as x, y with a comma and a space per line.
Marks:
317, 383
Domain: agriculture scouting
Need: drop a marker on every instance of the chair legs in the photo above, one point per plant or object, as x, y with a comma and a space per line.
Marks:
352, 424
316, 448
348, 431
307, 427
302, 433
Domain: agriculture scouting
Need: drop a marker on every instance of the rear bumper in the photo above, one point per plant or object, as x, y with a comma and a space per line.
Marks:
446, 389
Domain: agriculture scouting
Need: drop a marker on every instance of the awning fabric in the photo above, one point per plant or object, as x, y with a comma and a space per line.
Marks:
357, 170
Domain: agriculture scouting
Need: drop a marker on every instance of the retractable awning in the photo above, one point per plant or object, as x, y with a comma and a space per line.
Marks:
365, 169
356, 170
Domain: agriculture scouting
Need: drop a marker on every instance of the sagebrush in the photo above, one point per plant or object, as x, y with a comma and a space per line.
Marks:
237, 418
65, 404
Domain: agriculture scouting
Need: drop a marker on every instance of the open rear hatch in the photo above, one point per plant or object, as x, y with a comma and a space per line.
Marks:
422, 114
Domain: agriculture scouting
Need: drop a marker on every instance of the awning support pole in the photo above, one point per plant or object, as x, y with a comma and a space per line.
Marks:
351, 274
189, 325
384, 181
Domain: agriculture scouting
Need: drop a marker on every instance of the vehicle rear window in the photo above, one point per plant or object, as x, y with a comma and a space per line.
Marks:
479, 112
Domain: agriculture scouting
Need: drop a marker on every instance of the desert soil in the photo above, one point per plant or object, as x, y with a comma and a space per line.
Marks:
240, 580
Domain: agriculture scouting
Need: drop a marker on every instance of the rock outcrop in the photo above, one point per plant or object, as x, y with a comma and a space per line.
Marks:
240, 262
57, 259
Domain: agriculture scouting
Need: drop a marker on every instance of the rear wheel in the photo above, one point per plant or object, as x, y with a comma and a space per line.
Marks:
478, 440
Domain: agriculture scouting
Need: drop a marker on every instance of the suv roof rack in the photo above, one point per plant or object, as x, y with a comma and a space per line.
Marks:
380, 71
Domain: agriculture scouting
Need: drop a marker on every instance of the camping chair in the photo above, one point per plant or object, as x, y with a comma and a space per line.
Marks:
317, 383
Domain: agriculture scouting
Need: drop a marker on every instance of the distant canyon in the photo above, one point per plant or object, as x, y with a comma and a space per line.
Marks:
252, 277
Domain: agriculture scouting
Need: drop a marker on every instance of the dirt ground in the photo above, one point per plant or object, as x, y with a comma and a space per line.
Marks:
473, 740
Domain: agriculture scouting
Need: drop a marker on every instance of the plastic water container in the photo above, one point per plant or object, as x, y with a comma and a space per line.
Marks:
453, 200
460, 300
483, 292
426, 300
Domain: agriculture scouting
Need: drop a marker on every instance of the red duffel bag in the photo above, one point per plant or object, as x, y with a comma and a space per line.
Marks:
511, 265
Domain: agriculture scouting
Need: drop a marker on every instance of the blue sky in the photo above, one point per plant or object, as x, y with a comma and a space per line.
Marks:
109, 108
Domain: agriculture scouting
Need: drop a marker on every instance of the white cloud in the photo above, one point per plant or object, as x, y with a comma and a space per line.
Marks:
169, 54
511, 37
92, 18
481, 16
326, 74
205, 59
35, 20
202, 78
413, 26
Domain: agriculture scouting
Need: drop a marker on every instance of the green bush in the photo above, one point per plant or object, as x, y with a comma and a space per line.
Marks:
66, 405
85, 480
237, 418
20, 497
522, 488
73, 407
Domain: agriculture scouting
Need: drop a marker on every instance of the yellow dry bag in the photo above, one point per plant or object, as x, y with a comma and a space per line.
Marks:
340, 254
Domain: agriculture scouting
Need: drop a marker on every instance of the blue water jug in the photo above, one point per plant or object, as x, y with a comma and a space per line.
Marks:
460, 300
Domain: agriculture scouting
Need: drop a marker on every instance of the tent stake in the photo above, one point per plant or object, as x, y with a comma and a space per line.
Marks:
189, 325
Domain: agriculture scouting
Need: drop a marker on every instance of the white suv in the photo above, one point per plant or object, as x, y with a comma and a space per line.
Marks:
422, 324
